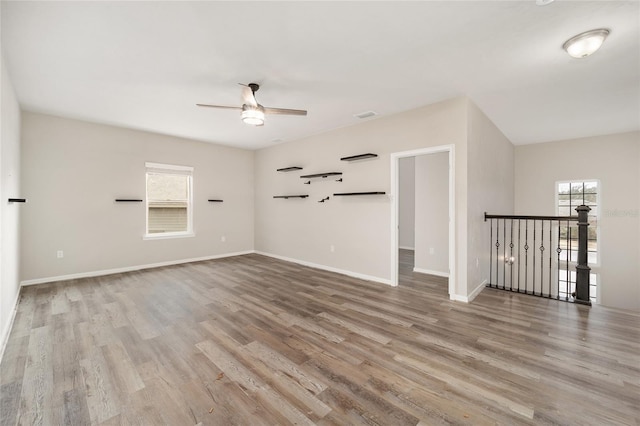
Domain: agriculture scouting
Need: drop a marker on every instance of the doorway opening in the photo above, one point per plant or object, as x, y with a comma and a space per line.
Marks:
432, 248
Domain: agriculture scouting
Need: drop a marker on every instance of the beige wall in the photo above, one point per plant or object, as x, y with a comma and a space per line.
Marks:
432, 213
72, 171
407, 203
357, 227
9, 213
490, 188
615, 161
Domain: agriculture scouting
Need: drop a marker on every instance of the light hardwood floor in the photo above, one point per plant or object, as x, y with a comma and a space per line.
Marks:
251, 340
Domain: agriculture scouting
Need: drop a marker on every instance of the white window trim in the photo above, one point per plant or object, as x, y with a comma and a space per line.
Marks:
176, 170
168, 168
168, 235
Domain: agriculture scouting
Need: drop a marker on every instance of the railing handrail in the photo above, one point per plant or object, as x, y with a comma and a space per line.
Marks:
560, 218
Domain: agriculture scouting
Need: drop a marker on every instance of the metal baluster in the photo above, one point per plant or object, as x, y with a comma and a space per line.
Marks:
497, 252
490, 253
567, 286
542, 258
550, 255
504, 254
559, 250
511, 260
526, 254
533, 268
519, 228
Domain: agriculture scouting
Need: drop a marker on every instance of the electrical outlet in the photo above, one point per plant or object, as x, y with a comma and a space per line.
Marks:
223, 239
60, 254
432, 250
332, 248
477, 262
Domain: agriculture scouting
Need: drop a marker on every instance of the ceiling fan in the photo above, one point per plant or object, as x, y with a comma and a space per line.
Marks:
252, 112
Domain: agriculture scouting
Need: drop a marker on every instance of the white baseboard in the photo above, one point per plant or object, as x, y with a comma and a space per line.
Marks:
431, 272
328, 268
471, 296
459, 298
7, 328
407, 248
129, 268
476, 291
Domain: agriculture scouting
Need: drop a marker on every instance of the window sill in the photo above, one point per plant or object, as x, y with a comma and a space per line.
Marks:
168, 235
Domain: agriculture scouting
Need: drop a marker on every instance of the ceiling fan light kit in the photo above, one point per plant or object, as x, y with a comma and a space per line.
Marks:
586, 43
253, 115
252, 112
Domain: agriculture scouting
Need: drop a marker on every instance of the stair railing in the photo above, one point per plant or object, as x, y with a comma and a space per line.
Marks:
534, 255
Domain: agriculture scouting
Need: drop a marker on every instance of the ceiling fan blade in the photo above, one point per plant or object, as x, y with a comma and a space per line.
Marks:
219, 106
284, 111
248, 97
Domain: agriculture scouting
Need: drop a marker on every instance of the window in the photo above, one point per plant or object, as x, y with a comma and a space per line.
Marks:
570, 195
169, 201
567, 285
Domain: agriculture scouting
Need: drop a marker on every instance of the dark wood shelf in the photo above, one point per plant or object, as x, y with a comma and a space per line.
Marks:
289, 169
358, 193
322, 175
290, 196
359, 157
17, 200
214, 201
127, 200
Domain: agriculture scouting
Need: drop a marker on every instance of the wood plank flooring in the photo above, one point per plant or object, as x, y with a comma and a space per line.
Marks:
252, 340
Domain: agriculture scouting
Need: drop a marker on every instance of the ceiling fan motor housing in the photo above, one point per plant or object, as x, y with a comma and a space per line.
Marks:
254, 87
247, 107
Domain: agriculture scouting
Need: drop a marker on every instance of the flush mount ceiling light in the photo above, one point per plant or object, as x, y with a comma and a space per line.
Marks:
586, 43
253, 115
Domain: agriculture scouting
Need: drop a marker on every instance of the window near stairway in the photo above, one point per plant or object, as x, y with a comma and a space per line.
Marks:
169, 201
570, 195
567, 284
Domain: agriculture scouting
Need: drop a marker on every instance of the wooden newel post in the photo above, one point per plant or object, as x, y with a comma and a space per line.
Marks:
582, 268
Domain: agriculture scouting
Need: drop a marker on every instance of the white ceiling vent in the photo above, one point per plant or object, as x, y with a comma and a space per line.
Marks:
365, 114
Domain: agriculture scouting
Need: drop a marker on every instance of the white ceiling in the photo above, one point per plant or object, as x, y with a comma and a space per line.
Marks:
144, 65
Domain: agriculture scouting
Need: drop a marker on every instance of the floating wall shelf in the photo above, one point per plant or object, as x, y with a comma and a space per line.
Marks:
359, 157
127, 200
290, 196
214, 201
359, 193
17, 200
289, 169
322, 175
